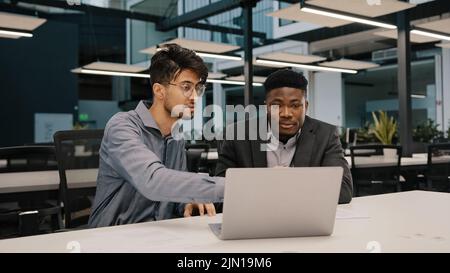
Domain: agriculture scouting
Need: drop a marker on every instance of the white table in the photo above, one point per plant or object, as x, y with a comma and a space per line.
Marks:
382, 161
45, 180
414, 221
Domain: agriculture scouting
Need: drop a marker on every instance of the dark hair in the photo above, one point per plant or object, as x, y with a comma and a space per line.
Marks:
171, 59
286, 78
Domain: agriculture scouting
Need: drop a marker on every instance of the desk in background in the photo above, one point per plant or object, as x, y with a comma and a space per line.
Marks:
24, 185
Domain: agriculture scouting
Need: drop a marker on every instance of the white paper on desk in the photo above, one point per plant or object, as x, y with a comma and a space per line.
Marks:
350, 213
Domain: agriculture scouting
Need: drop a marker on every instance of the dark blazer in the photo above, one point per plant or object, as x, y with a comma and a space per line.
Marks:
317, 145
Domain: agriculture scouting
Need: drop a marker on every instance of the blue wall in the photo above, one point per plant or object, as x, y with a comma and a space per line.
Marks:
35, 77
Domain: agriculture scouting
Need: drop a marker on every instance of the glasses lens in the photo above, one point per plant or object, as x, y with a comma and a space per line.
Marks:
200, 89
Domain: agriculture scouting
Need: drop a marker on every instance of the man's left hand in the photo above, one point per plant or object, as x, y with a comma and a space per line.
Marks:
191, 207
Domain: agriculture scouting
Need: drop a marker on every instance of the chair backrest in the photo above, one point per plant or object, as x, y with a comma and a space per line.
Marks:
195, 161
376, 161
28, 158
77, 152
438, 166
25, 215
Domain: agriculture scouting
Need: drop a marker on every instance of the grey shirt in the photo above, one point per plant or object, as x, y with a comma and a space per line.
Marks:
280, 154
142, 174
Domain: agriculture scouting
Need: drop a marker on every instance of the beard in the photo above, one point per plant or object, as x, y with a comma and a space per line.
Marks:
179, 111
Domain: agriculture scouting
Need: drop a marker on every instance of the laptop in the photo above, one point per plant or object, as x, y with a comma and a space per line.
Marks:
279, 202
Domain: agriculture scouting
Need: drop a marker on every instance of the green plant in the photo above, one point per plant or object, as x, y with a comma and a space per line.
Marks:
426, 132
384, 127
448, 131
79, 126
365, 134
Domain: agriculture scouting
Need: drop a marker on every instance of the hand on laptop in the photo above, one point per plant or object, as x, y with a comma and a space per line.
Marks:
192, 208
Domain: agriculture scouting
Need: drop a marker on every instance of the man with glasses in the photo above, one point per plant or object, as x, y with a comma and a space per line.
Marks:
142, 174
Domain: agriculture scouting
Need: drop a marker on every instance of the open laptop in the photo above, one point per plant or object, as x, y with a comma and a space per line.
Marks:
279, 202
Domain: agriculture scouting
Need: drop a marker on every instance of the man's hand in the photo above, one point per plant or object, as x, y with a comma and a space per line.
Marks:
200, 207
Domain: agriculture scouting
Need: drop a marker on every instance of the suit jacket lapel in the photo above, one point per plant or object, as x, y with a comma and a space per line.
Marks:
259, 157
305, 144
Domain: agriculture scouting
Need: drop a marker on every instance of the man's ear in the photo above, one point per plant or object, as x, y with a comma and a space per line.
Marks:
159, 92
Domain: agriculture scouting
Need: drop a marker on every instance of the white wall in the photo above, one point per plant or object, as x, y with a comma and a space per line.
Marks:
327, 97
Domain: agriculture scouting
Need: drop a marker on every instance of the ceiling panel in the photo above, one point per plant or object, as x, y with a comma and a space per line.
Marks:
20, 22
293, 13
414, 37
350, 64
294, 58
201, 46
442, 25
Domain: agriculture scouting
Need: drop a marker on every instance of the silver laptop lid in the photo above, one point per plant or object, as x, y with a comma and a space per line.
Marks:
280, 202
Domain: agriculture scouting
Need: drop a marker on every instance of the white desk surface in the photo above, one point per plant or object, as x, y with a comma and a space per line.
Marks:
374, 161
46, 180
380, 161
414, 221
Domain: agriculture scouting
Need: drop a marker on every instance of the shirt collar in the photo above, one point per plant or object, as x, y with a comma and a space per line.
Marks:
289, 144
145, 115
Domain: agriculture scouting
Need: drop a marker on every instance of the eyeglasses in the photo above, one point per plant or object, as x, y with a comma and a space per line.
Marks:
188, 88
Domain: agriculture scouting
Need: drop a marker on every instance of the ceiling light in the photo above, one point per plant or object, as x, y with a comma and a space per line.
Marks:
306, 67
15, 34
431, 34
231, 82
347, 17
219, 56
111, 73
418, 96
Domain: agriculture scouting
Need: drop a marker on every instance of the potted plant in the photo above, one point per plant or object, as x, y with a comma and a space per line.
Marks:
424, 134
384, 129
448, 131
365, 134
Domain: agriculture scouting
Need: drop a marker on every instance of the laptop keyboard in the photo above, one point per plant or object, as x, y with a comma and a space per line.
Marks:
216, 228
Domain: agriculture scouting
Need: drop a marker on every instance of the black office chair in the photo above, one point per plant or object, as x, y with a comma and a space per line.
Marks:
437, 174
196, 157
77, 150
377, 179
22, 215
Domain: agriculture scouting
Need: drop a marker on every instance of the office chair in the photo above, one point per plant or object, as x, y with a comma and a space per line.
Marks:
195, 157
28, 215
437, 174
77, 153
382, 179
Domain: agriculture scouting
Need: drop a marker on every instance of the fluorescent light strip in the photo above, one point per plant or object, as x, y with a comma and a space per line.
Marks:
307, 67
16, 33
113, 73
347, 18
219, 56
418, 96
430, 34
213, 55
232, 82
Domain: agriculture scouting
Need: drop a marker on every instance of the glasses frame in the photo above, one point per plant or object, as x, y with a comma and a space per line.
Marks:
199, 89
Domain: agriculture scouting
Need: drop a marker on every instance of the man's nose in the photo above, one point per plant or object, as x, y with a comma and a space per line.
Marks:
285, 112
193, 96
